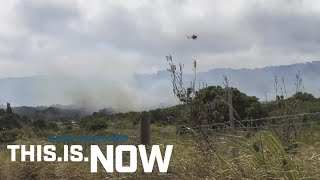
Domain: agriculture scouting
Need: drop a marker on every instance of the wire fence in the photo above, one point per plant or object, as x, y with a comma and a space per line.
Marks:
227, 123
286, 126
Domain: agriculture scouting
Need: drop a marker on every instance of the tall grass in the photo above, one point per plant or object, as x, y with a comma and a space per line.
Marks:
260, 156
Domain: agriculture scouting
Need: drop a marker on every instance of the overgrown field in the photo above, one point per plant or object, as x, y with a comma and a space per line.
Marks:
262, 155
273, 140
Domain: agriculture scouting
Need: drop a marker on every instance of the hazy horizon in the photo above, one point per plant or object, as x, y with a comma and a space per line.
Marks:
118, 39
147, 91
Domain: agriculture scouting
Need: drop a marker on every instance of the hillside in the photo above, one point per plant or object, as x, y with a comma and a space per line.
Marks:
255, 82
145, 91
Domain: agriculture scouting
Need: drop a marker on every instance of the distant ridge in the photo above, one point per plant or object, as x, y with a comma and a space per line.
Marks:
150, 90
257, 81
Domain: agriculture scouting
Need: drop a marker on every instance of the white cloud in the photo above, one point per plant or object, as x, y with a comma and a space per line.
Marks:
120, 38
98, 30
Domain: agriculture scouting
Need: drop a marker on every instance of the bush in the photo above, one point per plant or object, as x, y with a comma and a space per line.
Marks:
2, 112
41, 124
303, 96
11, 121
8, 136
97, 124
69, 127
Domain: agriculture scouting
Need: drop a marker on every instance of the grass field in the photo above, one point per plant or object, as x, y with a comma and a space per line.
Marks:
261, 156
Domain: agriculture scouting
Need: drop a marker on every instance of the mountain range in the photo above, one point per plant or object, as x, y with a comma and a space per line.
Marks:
151, 90
258, 82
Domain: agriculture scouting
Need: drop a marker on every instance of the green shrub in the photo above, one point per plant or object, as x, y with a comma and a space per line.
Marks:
97, 124
8, 136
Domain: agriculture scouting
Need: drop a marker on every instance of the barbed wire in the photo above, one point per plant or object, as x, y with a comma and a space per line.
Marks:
280, 117
217, 127
254, 120
262, 127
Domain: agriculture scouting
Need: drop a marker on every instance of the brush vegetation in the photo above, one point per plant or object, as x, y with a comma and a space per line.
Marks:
262, 154
259, 147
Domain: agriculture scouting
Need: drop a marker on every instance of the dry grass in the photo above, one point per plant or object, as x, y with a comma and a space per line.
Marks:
262, 156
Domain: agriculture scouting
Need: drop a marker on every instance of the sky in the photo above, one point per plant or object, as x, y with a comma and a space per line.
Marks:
117, 39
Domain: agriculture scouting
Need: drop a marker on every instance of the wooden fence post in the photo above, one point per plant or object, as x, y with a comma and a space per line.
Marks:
234, 150
145, 134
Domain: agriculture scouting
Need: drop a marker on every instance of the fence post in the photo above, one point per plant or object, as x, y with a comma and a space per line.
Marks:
145, 134
234, 150
230, 109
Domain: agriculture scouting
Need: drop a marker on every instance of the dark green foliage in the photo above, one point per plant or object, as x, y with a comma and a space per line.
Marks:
156, 115
298, 103
247, 106
209, 94
9, 109
97, 124
303, 96
256, 146
41, 125
106, 111
163, 116
49, 113
51, 110
69, 127
10, 121
256, 110
124, 120
8, 136
2, 112
210, 104
53, 125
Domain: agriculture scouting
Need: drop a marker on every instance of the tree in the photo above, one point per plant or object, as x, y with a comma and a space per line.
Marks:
9, 110
39, 124
245, 107
209, 105
2, 112
97, 124
303, 96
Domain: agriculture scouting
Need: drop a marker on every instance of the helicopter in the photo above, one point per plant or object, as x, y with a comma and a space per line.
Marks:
194, 37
